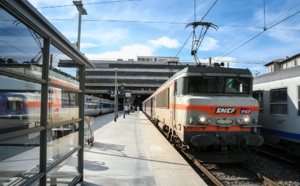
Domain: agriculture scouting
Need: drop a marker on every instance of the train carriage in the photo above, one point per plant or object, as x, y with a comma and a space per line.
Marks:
279, 96
95, 106
209, 110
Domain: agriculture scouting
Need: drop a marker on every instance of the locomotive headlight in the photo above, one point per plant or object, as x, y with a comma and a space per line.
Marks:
245, 119
202, 119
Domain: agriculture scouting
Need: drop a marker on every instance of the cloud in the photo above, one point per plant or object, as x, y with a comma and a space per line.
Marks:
165, 42
126, 52
88, 45
208, 44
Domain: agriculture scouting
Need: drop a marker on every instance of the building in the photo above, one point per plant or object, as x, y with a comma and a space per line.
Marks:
41, 100
280, 64
140, 77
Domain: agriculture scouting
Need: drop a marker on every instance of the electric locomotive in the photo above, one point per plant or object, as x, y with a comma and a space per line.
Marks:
208, 111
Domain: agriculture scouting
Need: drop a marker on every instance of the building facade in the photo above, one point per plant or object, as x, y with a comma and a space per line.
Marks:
280, 64
140, 77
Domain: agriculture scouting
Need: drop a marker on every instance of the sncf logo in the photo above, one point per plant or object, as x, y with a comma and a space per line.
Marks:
246, 111
225, 110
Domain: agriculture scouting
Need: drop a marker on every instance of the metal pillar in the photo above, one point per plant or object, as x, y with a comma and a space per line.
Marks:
116, 95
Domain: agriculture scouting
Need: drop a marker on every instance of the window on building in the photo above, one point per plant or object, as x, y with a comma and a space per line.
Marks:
278, 104
258, 95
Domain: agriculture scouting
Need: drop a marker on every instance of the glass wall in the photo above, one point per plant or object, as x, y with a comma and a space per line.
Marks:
41, 101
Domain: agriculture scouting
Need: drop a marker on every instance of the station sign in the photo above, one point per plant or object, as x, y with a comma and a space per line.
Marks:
121, 93
112, 93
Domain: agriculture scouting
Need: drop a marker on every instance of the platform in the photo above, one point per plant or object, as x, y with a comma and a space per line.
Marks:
132, 151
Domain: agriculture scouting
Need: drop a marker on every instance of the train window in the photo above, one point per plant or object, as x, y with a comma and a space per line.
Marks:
199, 84
162, 99
237, 85
278, 104
258, 95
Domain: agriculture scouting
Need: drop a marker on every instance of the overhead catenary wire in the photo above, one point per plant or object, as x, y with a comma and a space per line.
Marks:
179, 23
255, 36
164, 22
60, 6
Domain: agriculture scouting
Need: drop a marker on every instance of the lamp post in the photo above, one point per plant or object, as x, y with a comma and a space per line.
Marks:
123, 90
81, 11
116, 95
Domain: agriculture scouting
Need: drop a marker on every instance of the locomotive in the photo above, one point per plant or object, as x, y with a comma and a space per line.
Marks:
208, 111
279, 96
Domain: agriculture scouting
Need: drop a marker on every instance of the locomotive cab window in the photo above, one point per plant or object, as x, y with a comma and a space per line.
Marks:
237, 85
218, 85
199, 84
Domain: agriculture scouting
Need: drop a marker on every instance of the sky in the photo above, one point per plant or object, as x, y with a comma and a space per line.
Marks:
249, 34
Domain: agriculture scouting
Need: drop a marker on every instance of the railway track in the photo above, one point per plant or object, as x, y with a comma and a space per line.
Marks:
229, 174
277, 153
223, 174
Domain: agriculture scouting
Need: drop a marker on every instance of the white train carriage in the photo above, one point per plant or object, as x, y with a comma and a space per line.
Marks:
278, 94
208, 109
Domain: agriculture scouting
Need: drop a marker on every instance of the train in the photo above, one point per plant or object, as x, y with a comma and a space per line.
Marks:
95, 106
278, 94
208, 111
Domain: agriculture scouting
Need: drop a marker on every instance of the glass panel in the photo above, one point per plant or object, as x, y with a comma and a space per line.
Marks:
19, 104
237, 85
279, 95
279, 109
63, 140
64, 173
63, 105
259, 97
211, 85
63, 68
20, 47
200, 84
19, 159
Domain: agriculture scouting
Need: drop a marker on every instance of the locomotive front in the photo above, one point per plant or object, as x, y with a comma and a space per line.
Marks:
215, 112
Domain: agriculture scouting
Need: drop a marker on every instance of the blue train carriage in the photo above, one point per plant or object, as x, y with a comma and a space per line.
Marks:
208, 111
278, 94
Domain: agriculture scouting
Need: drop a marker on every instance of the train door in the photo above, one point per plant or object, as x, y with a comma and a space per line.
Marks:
173, 102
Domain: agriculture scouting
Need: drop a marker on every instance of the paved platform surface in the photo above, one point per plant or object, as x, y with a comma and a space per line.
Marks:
131, 152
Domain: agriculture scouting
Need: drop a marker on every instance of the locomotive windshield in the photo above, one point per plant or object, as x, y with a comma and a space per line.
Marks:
218, 85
